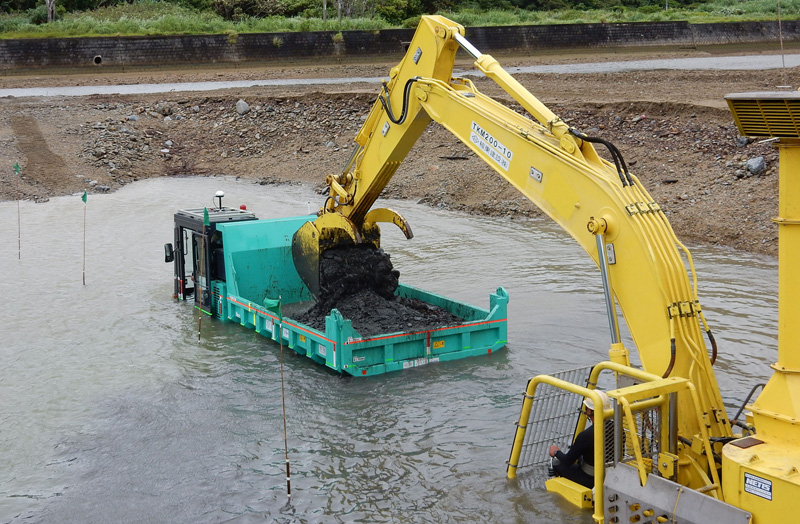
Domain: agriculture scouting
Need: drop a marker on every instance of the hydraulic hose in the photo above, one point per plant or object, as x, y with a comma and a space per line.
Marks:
671, 358
746, 400
616, 155
387, 104
710, 336
672, 349
713, 346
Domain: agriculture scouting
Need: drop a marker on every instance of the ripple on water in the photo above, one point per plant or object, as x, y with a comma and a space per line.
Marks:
113, 411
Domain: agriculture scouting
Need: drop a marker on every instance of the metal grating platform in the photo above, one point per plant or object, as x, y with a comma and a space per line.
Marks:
772, 114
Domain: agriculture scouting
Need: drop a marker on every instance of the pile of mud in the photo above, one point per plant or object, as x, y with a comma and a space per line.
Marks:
360, 282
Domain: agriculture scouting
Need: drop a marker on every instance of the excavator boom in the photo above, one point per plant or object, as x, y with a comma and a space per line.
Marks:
599, 203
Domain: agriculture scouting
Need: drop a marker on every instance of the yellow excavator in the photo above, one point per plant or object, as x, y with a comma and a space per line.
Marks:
671, 453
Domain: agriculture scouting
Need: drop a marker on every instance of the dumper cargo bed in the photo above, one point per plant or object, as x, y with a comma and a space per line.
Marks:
341, 348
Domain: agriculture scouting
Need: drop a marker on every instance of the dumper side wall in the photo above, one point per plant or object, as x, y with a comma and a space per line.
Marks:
258, 260
483, 332
458, 309
338, 349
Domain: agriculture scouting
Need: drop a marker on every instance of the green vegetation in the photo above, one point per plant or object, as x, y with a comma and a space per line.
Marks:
27, 18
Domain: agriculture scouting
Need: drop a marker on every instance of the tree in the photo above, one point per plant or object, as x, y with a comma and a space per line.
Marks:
51, 9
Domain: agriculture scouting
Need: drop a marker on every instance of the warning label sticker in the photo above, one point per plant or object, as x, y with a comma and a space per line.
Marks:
758, 486
491, 146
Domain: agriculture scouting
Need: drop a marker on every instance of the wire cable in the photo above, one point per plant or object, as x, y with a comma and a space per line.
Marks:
283, 403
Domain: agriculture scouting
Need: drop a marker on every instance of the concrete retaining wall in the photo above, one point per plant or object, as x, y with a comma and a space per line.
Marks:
148, 51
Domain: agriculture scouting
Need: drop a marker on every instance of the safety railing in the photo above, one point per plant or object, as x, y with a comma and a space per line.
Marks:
552, 419
641, 438
638, 431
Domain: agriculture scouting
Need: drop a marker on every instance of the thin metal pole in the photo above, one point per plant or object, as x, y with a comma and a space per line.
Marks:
617, 433
283, 400
84, 243
673, 423
19, 220
19, 233
780, 37
199, 291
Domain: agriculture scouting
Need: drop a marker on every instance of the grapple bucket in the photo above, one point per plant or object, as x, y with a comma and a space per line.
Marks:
333, 230
305, 255
329, 231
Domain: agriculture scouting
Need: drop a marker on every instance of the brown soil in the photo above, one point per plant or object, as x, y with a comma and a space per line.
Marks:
672, 127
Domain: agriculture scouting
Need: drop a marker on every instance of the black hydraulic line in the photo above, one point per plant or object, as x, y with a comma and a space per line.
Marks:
746, 400
616, 155
619, 162
749, 429
325, 206
713, 346
717, 459
349, 202
387, 105
612, 147
671, 358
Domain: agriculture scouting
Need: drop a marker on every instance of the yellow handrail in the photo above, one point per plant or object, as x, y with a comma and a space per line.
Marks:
653, 391
599, 424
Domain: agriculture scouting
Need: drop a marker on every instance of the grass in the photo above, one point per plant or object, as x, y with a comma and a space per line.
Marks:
151, 17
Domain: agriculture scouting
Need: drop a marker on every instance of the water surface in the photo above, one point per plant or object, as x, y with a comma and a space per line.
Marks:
111, 411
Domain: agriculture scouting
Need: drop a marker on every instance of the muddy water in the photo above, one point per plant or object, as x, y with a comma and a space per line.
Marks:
111, 411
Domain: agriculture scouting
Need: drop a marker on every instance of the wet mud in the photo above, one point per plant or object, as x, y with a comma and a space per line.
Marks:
360, 282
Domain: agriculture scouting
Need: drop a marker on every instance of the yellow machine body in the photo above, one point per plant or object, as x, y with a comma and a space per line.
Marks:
575, 494
762, 472
648, 273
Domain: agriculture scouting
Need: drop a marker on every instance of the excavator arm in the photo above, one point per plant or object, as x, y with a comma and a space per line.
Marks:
598, 202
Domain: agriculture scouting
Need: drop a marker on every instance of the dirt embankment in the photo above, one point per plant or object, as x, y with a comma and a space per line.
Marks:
672, 127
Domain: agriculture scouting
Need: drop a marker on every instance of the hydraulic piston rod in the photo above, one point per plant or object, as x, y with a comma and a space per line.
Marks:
611, 308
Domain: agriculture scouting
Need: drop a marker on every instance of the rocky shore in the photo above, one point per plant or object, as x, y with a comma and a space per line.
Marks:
672, 128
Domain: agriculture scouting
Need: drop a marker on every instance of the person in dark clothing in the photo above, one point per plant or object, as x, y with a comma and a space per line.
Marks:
577, 464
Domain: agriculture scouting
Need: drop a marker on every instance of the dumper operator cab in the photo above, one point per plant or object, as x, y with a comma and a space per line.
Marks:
197, 253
